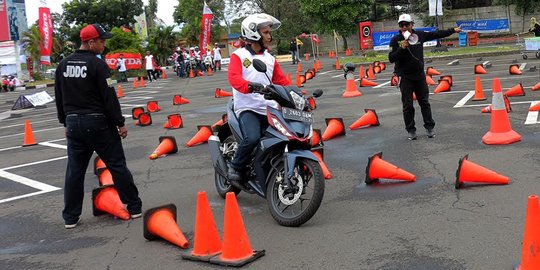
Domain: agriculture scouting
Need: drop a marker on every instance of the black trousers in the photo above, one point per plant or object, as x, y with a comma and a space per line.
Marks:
151, 74
86, 134
421, 90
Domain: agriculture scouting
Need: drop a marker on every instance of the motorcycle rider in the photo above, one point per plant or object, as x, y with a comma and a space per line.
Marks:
249, 107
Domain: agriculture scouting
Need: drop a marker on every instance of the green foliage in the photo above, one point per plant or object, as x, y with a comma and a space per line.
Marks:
189, 14
161, 43
523, 7
151, 11
122, 41
109, 13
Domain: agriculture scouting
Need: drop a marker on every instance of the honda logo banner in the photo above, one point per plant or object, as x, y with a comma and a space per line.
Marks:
133, 60
45, 29
366, 39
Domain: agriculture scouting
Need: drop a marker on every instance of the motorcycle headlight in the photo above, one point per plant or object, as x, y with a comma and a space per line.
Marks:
299, 101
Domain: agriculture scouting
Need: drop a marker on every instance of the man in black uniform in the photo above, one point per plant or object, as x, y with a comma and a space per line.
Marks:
409, 66
89, 109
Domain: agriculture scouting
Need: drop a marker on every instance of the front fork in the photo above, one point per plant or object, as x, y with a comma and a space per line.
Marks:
289, 160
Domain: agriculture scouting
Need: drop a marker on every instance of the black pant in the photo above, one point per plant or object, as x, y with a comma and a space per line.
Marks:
252, 126
86, 134
151, 74
420, 88
122, 76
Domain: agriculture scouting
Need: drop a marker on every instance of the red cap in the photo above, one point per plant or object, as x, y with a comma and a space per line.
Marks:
94, 31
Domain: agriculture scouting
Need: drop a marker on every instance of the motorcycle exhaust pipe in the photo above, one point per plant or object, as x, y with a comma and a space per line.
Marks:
217, 159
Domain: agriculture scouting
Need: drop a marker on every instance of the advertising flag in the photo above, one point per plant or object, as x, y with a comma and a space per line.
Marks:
206, 28
16, 12
4, 29
45, 29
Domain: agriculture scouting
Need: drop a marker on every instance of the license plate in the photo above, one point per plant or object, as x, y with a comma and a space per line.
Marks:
297, 115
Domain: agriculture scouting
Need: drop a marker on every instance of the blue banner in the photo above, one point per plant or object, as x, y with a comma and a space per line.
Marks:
485, 26
381, 40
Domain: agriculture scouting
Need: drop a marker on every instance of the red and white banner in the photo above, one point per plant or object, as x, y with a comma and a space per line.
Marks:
206, 28
133, 60
366, 35
4, 29
46, 31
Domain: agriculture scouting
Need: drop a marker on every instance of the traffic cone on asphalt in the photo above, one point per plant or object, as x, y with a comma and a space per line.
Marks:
338, 65
334, 128
174, 121
136, 111
119, 92
319, 153
534, 107
145, 119
209, 72
530, 248
142, 84
430, 80
536, 87
309, 75
312, 103
289, 78
152, 106
431, 71
160, 222
370, 118
28, 139
367, 83
316, 139
488, 108
191, 75
478, 90
444, 86
167, 145
501, 131
362, 72
514, 70
370, 74
448, 78
135, 83
106, 200
164, 74
201, 136
236, 249
179, 100
394, 81
206, 241
105, 177
299, 67
378, 168
220, 93
515, 91
351, 90
220, 122
471, 172
302, 79
377, 69
382, 65
479, 69
298, 82
98, 165
200, 73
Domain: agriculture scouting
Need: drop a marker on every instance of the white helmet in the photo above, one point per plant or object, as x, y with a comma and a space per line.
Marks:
252, 23
405, 18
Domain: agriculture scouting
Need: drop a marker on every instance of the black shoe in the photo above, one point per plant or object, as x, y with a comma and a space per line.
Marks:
70, 225
412, 135
233, 174
430, 133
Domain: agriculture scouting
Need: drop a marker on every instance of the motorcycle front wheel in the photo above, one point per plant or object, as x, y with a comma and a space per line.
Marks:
294, 206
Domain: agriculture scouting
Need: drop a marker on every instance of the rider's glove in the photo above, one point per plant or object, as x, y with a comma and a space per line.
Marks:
254, 87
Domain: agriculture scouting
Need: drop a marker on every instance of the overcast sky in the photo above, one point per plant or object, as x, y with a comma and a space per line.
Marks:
165, 9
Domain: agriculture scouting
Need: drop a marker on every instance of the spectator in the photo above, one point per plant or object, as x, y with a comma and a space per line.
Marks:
217, 56
149, 64
5, 83
293, 47
122, 69
535, 27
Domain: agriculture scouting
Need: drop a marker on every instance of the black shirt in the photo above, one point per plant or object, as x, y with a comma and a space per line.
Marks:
83, 85
409, 63
536, 30
292, 46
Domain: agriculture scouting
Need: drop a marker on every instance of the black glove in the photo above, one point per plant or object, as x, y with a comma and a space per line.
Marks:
254, 87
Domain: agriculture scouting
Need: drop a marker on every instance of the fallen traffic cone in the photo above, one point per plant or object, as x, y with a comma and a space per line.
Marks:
167, 145
444, 86
179, 100
135, 83
316, 140
209, 72
536, 87
206, 242
366, 83
394, 81
351, 90
531, 236
141, 83
501, 131
338, 65
160, 222
430, 80
362, 72
174, 121
145, 119
377, 69
471, 172
220, 93
136, 111
220, 122
478, 90
431, 71
119, 92
200, 73
98, 165
488, 108
309, 74
382, 65
370, 74
448, 78
201, 136
479, 69
153, 106
515, 91
334, 127
28, 139
370, 118
289, 78
320, 156
514, 70
105, 199
236, 249
535, 107
105, 177
378, 168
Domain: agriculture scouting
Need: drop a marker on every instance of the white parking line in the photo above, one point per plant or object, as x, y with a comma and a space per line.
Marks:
522, 67
35, 131
43, 188
53, 145
464, 99
382, 84
453, 62
532, 117
33, 122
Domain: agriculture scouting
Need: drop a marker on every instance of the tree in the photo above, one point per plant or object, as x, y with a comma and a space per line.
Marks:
31, 40
523, 7
109, 13
151, 11
123, 41
161, 42
189, 14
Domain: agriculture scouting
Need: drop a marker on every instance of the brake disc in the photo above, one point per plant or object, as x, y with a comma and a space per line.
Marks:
295, 196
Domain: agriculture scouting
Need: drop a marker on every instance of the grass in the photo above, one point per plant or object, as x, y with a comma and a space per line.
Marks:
34, 83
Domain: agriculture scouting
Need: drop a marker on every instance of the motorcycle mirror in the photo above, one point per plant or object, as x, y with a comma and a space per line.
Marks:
317, 93
259, 65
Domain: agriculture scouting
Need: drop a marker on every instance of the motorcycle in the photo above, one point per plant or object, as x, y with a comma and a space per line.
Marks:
192, 65
208, 62
283, 170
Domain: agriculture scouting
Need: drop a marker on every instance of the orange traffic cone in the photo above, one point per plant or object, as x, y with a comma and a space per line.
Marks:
220, 93
135, 83
28, 139
136, 111
370, 73
378, 168
430, 80
179, 100
479, 69
478, 90
206, 242
120, 92
164, 75
309, 74
338, 65
160, 222
515, 91
209, 72
191, 75
370, 118
351, 90
366, 83
167, 145
320, 154
98, 165
382, 65
362, 72
536, 87
431, 71
106, 200
236, 250
448, 78
298, 81
174, 121
200, 73
145, 119
531, 236
105, 177
220, 122
334, 127
394, 81
289, 78
142, 84
312, 104
535, 108
302, 79
299, 67
316, 140
444, 86
486, 109
514, 70
471, 172
201, 136
501, 131
152, 106
377, 69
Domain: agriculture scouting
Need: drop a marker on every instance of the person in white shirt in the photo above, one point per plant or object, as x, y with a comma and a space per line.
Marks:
122, 69
217, 56
149, 64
